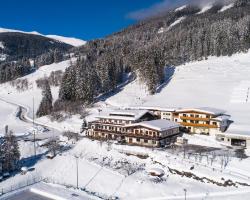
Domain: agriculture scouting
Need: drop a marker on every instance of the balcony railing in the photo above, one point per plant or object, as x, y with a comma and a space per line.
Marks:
199, 125
194, 118
107, 131
128, 134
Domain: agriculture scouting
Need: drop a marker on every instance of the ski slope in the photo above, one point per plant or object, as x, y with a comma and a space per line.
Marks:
205, 9
226, 7
221, 82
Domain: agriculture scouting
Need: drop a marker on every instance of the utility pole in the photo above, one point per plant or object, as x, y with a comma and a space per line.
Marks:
185, 191
77, 159
34, 132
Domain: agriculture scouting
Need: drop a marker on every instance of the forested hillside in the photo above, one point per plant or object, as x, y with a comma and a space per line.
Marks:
172, 38
18, 49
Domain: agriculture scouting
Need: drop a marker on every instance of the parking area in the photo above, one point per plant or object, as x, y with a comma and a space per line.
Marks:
26, 195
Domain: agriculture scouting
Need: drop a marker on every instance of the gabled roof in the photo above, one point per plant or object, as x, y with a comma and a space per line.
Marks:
124, 114
159, 125
208, 110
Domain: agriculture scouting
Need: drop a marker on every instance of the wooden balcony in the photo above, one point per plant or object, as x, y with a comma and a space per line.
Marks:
199, 125
108, 131
194, 118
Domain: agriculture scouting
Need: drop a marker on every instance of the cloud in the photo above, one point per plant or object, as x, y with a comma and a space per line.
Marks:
165, 5
151, 11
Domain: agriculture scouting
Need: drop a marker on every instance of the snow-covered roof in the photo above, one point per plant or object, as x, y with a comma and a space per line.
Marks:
159, 125
124, 114
156, 171
208, 110
156, 108
222, 117
234, 130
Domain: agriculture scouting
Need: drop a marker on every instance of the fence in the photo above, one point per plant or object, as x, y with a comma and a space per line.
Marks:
91, 193
20, 185
29, 182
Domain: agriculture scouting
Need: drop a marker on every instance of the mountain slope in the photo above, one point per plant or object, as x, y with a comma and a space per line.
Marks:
18, 45
188, 34
221, 82
67, 40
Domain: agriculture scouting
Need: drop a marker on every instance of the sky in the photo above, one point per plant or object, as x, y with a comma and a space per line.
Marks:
84, 19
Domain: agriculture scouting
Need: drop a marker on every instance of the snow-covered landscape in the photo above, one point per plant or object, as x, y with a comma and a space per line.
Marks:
74, 143
106, 169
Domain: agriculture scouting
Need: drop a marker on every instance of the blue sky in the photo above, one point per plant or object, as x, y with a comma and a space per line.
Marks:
85, 19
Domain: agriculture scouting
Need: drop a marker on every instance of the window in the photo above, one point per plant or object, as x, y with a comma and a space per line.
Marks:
191, 115
145, 141
184, 115
207, 116
197, 116
175, 120
184, 120
192, 121
137, 139
214, 123
207, 122
197, 122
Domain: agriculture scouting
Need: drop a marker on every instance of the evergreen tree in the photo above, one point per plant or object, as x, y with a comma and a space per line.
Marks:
84, 125
11, 153
45, 107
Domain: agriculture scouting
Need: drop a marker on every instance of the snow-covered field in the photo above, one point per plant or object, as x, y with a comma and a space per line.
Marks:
107, 170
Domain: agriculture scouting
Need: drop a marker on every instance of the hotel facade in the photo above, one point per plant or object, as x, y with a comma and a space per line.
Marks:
134, 127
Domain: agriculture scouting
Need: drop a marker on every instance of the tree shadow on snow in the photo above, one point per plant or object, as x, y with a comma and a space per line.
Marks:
119, 88
32, 160
169, 73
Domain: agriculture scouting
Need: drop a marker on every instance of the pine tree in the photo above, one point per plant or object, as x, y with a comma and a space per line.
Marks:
46, 106
11, 153
84, 125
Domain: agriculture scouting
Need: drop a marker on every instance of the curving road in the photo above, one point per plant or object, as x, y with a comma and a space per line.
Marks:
22, 115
